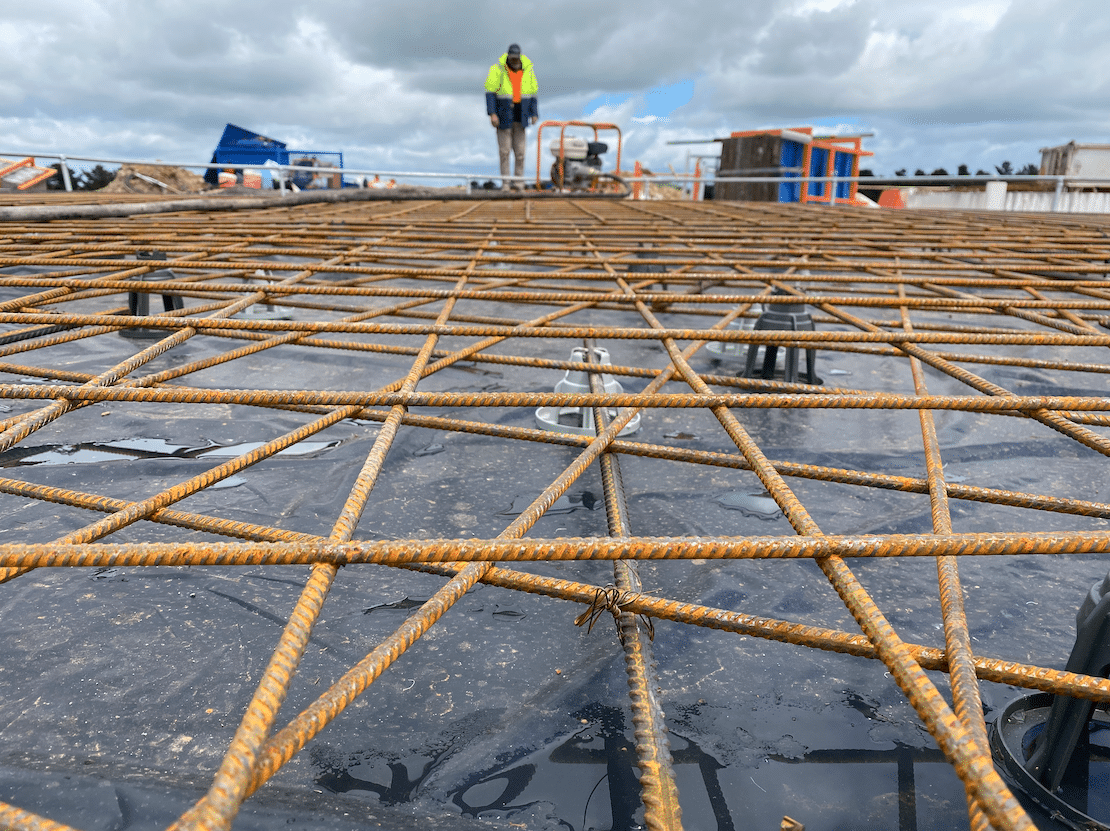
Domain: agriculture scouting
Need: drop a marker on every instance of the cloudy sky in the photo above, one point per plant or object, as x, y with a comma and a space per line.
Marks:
398, 84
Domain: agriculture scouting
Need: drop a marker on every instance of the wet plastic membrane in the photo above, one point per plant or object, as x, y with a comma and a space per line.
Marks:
169, 605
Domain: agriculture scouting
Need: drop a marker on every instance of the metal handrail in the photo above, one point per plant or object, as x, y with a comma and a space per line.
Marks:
65, 157
1061, 181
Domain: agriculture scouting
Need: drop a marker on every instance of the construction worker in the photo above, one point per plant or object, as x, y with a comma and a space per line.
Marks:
511, 90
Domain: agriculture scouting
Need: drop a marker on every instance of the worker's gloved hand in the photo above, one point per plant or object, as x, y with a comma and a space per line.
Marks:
493, 120
535, 119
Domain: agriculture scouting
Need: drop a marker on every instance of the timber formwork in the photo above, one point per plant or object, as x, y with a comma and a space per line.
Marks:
944, 319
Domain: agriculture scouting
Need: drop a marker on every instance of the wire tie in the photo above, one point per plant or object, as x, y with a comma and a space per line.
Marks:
610, 599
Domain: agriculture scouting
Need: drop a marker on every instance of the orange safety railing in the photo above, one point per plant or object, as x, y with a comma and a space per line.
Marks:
31, 181
833, 145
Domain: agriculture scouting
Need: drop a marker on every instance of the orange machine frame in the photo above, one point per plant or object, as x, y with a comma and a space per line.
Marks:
562, 137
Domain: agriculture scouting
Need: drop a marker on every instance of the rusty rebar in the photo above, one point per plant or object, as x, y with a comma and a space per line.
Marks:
970, 760
662, 811
220, 805
961, 659
390, 279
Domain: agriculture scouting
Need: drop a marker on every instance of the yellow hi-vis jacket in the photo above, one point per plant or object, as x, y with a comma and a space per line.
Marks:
499, 93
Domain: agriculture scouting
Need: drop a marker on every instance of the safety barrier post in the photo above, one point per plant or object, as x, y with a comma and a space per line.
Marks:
65, 173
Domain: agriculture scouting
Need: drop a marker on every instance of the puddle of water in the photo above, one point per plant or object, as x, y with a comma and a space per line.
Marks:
501, 614
230, 482
401, 605
590, 776
478, 388
758, 505
585, 778
159, 447
565, 504
109, 573
476, 369
65, 454
862, 705
87, 453
303, 448
681, 436
360, 422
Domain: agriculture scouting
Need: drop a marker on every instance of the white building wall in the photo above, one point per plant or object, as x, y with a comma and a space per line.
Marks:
1024, 201
1090, 161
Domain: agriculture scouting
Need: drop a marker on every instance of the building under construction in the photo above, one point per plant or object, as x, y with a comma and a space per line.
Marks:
339, 511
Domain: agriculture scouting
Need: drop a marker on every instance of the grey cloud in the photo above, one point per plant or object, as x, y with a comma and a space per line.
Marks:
612, 46
400, 83
447, 77
135, 52
825, 43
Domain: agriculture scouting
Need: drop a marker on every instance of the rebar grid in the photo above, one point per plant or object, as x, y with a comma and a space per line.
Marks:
406, 295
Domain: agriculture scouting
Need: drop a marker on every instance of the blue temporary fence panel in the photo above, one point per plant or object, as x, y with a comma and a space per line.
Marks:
791, 156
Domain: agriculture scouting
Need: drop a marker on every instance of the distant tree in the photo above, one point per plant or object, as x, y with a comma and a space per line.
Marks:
56, 182
981, 172
901, 172
962, 170
95, 179
940, 171
1006, 169
919, 172
1029, 170
866, 171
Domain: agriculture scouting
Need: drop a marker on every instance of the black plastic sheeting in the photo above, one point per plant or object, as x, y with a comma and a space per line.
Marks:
122, 687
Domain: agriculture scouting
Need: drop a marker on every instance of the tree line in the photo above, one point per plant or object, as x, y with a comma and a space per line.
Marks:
1004, 169
93, 179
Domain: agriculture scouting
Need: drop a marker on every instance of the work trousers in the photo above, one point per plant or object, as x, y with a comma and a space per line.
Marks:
511, 140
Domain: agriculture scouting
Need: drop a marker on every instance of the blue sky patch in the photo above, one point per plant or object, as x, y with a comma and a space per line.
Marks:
658, 102
614, 100
662, 101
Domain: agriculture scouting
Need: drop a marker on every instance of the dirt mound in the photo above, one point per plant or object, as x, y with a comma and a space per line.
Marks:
655, 190
665, 191
136, 178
